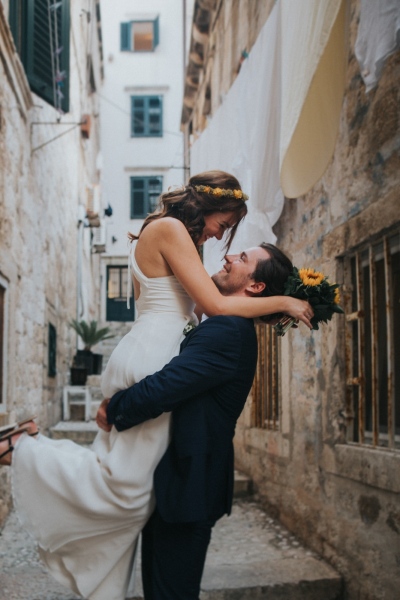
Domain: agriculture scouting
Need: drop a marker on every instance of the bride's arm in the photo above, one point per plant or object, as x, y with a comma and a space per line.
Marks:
177, 248
199, 312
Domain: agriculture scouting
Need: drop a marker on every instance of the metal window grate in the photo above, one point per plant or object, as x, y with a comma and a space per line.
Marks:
372, 296
266, 390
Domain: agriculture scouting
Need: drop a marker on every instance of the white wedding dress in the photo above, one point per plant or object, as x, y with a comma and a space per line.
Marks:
86, 507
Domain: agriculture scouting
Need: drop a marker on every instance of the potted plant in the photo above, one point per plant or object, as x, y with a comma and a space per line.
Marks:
78, 374
90, 336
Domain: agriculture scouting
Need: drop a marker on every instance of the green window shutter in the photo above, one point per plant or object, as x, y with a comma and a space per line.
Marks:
16, 23
52, 351
146, 116
45, 35
125, 36
138, 197
154, 115
156, 33
145, 192
138, 116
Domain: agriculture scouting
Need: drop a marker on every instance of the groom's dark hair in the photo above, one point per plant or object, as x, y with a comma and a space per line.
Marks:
272, 271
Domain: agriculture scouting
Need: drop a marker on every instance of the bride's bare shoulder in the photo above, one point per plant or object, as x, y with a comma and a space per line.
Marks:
165, 226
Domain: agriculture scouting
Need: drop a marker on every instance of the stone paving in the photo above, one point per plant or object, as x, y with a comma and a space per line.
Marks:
251, 556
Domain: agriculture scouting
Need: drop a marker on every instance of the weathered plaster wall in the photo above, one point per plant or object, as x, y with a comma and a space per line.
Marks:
342, 500
40, 191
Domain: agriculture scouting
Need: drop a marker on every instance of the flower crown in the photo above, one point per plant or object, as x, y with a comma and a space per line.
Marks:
218, 192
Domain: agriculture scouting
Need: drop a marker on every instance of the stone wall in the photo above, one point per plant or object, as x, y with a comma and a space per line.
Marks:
40, 192
341, 499
320, 488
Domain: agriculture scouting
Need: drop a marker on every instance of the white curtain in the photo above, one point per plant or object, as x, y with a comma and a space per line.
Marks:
378, 36
251, 133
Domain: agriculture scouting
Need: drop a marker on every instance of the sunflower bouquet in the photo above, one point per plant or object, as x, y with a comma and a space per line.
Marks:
313, 286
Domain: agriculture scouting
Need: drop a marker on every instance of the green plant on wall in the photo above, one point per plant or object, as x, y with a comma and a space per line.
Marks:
89, 333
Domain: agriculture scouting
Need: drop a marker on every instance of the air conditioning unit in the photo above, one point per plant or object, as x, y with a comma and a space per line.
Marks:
99, 238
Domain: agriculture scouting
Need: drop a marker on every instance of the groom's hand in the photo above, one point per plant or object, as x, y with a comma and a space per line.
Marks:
101, 417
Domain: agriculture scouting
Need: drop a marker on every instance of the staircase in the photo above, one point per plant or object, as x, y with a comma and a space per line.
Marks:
76, 429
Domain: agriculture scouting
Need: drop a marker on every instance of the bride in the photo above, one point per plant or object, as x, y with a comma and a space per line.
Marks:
86, 507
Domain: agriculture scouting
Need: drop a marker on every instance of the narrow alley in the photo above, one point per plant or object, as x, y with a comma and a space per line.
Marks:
251, 557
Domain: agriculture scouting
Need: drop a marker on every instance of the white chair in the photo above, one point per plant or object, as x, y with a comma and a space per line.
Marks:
78, 395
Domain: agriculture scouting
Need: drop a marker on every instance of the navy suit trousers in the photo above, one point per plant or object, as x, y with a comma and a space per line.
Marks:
173, 557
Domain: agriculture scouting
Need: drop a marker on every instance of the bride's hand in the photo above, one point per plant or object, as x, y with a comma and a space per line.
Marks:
300, 309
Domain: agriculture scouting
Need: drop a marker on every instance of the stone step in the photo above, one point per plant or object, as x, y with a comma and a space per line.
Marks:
243, 485
76, 431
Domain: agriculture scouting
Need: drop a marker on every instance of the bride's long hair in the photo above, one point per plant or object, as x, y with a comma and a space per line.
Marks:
190, 206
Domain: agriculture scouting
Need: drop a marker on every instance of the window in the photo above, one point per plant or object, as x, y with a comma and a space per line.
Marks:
145, 192
140, 36
52, 351
372, 283
41, 34
146, 116
265, 390
117, 282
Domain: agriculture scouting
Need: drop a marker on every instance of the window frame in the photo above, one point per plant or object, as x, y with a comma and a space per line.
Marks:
146, 116
127, 37
111, 311
148, 206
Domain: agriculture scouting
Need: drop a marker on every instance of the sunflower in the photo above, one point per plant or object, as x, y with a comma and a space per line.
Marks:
311, 277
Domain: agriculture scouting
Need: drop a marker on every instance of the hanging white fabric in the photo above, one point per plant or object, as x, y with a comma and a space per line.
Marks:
313, 78
242, 138
263, 124
378, 37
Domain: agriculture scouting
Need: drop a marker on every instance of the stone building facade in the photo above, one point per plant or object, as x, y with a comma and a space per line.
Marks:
49, 148
320, 433
142, 142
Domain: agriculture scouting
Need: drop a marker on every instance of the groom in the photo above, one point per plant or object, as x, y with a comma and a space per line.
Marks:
205, 387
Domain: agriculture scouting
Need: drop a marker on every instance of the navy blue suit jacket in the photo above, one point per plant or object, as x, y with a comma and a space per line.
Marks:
205, 387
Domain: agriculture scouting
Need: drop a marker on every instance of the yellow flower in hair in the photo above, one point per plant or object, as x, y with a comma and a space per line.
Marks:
337, 296
238, 194
207, 189
311, 277
217, 192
